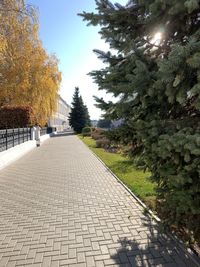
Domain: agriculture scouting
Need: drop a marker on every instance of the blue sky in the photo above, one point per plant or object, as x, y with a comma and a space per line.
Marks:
64, 33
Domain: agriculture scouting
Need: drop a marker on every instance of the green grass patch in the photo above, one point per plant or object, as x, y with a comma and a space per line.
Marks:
136, 180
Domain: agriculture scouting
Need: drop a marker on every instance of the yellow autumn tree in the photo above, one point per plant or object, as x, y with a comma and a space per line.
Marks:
28, 75
45, 80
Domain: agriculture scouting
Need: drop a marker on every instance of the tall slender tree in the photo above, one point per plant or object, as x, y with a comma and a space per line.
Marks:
155, 74
79, 116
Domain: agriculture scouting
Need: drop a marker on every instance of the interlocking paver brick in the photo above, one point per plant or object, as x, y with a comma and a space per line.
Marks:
24, 262
55, 264
81, 257
99, 263
38, 258
46, 262
72, 253
60, 206
11, 264
67, 262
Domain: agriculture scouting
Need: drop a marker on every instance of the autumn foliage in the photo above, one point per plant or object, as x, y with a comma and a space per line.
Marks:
13, 117
28, 75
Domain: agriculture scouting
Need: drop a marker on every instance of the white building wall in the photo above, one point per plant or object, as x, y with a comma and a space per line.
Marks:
60, 118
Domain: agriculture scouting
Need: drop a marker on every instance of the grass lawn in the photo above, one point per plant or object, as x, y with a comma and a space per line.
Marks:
136, 180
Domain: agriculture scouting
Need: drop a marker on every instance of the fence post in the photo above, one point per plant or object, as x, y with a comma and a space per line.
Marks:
18, 136
33, 133
37, 136
23, 134
13, 132
6, 139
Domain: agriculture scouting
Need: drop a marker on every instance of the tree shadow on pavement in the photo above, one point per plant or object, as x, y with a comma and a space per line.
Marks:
150, 246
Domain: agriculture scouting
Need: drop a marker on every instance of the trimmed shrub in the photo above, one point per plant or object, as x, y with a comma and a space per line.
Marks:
86, 131
92, 129
97, 134
102, 143
16, 116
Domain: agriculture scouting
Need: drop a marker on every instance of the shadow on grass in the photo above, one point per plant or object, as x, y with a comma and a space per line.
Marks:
150, 247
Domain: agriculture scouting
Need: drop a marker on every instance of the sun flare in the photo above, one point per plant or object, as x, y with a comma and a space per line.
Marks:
157, 38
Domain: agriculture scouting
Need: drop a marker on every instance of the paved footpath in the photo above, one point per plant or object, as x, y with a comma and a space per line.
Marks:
59, 206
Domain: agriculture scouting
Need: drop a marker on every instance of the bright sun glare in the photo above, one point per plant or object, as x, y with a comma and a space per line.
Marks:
157, 38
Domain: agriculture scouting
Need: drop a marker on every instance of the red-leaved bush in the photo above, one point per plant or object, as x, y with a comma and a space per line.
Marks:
16, 116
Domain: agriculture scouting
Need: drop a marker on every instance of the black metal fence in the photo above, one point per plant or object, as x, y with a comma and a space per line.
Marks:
47, 130
43, 131
12, 137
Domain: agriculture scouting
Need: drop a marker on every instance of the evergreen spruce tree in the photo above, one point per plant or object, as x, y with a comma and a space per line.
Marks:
87, 116
155, 74
79, 116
